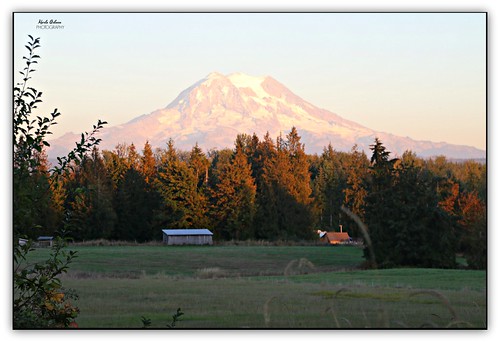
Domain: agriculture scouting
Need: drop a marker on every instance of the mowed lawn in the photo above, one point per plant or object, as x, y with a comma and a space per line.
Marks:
266, 287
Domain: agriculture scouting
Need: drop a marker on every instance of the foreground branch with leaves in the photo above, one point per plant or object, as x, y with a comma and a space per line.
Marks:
40, 300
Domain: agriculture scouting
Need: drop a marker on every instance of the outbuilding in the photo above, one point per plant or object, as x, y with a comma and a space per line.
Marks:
187, 237
335, 238
45, 241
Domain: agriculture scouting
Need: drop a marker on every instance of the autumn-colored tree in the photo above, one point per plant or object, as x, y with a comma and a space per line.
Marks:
284, 192
199, 163
133, 159
473, 222
148, 164
300, 188
234, 196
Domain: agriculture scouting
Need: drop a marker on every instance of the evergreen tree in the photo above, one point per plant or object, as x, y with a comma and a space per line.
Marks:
355, 191
148, 164
284, 201
90, 200
379, 205
329, 186
116, 165
135, 204
36, 210
406, 225
473, 223
300, 188
266, 219
423, 232
234, 197
183, 206
199, 163
133, 158
255, 157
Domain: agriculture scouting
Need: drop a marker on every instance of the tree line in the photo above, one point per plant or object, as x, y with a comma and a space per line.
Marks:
418, 212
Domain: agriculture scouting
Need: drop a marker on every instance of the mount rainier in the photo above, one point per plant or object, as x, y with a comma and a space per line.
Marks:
215, 109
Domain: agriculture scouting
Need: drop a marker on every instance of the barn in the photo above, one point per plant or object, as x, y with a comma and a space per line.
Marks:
187, 237
45, 241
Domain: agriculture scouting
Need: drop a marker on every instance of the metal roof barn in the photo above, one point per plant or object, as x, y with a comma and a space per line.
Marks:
187, 237
45, 241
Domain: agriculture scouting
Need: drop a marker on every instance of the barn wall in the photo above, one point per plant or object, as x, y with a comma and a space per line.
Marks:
181, 240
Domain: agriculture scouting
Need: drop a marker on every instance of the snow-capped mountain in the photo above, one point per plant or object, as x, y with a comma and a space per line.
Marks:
215, 109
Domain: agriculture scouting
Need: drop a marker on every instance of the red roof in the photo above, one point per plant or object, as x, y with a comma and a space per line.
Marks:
337, 237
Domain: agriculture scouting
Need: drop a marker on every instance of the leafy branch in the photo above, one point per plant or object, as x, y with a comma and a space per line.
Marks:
39, 300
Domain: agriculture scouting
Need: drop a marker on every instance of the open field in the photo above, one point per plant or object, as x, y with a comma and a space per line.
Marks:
266, 286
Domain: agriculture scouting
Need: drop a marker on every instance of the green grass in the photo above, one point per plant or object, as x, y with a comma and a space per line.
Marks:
412, 278
187, 260
266, 287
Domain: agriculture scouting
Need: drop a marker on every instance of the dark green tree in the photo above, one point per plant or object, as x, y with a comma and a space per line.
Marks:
266, 218
136, 203
39, 214
90, 200
407, 227
423, 231
355, 191
380, 207
182, 205
329, 185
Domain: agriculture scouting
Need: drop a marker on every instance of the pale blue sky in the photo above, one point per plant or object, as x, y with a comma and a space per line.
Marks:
417, 75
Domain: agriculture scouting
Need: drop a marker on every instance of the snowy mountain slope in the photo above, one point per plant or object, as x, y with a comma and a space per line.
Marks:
215, 109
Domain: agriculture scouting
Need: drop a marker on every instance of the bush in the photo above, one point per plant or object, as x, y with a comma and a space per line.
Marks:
40, 300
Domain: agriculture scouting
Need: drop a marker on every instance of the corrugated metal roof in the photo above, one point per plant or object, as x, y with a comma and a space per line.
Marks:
188, 232
45, 238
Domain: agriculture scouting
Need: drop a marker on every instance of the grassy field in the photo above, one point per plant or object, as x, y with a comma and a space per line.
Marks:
266, 287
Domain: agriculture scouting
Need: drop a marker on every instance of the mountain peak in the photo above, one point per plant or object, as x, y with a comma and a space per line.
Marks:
244, 81
216, 108
215, 75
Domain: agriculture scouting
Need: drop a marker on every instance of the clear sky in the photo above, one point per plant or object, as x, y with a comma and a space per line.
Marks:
416, 75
